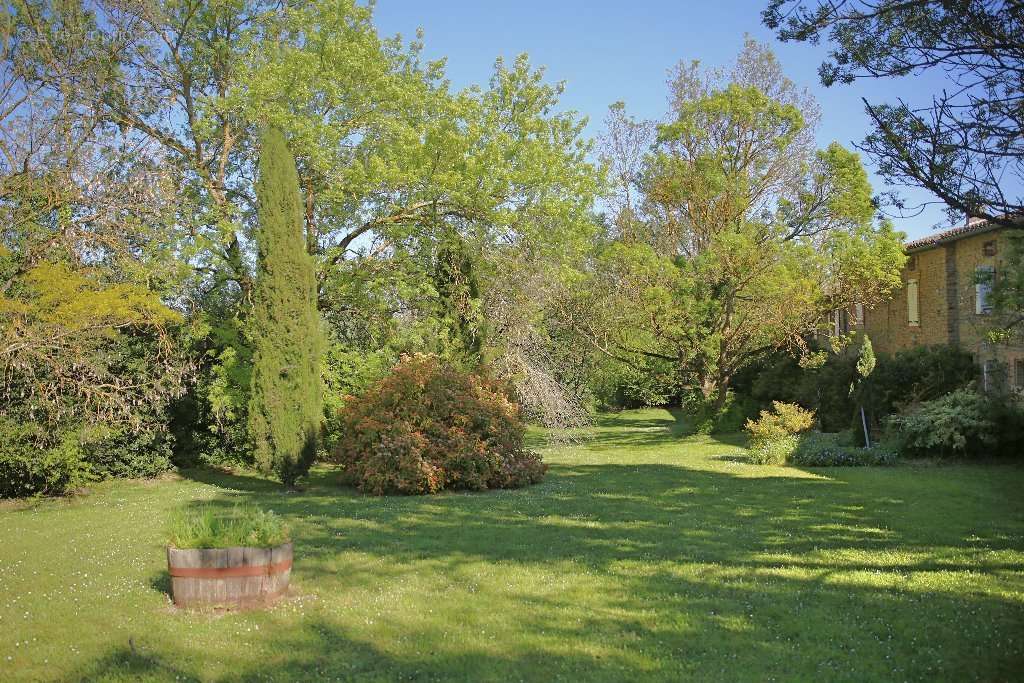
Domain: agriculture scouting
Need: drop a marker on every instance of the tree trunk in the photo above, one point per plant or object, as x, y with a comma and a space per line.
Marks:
721, 393
716, 391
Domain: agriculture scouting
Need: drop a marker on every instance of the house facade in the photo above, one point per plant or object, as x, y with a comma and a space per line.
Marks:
943, 300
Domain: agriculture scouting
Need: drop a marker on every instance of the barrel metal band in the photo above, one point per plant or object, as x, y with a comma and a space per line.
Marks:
228, 572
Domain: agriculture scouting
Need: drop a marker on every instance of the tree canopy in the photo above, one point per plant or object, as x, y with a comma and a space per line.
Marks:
741, 234
169, 275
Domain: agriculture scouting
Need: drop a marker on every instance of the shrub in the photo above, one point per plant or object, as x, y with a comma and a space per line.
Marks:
130, 454
618, 386
1007, 414
730, 418
773, 434
243, 525
833, 450
774, 451
916, 375
27, 469
286, 394
428, 427
898, 380
956, 425
785, 419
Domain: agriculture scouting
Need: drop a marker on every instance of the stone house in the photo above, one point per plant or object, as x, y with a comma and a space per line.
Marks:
944, 301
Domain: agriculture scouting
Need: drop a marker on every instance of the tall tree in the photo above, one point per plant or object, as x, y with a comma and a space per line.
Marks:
389, 156
748, 235
286, 404
87, 259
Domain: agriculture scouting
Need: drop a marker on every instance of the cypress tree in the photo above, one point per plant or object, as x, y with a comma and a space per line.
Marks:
286, 403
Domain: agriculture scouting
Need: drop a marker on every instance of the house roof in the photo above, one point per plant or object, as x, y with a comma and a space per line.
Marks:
974, 226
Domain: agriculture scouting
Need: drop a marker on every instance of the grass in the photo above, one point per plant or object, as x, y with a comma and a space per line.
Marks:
213, 526
643, 555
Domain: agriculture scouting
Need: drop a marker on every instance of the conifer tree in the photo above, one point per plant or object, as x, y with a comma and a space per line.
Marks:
286, 404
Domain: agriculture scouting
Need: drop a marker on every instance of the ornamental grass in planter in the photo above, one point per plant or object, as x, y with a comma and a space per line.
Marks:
237, 557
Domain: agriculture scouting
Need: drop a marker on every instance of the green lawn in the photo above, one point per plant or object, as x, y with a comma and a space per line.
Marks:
643, 555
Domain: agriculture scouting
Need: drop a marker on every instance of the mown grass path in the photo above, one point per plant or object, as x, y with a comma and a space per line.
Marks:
643, 556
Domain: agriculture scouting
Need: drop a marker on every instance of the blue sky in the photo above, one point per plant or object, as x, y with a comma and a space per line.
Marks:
610, 51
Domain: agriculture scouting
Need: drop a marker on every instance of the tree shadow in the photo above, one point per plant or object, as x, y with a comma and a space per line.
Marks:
682, 572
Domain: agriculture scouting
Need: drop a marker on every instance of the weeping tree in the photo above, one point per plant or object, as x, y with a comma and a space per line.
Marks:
286, 403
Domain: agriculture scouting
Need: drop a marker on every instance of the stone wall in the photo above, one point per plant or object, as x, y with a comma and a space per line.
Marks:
945, 275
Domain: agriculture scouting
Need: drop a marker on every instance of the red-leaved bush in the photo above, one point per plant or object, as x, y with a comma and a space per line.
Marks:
427, 427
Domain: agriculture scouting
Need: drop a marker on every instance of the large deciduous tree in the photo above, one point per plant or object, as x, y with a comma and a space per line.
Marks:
286, 404
390, 161
86, 248
741, 235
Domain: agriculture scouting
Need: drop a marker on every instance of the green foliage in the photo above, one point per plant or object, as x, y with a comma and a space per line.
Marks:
618, 386
286, 402
746, 234
816, 449
428, 427
773, 436
412, 193
459, 305
898, 380
208, 526
727, 419
963, 423
908, 377
27, 469
775, 451
955, 425
348, 372
129, 453
1007, 414
36, 461
866, 360
1007, 294
80, 349
783, 420
210, 422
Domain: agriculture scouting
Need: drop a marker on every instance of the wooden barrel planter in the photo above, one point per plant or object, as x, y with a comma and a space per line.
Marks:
229, 577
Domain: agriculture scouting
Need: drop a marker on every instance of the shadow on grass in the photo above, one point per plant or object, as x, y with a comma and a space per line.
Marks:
686, 572
667, 427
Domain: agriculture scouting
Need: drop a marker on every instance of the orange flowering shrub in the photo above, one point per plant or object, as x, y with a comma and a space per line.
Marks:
427, 427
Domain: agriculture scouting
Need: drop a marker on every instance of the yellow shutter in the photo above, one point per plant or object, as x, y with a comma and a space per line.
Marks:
913, 309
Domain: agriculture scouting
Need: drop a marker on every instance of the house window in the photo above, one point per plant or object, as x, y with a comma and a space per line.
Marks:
1018, 372
983, 277
989, 248
913, 310
912, 263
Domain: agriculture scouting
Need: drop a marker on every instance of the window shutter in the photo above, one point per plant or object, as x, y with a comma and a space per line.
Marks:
982, 288
913, 310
